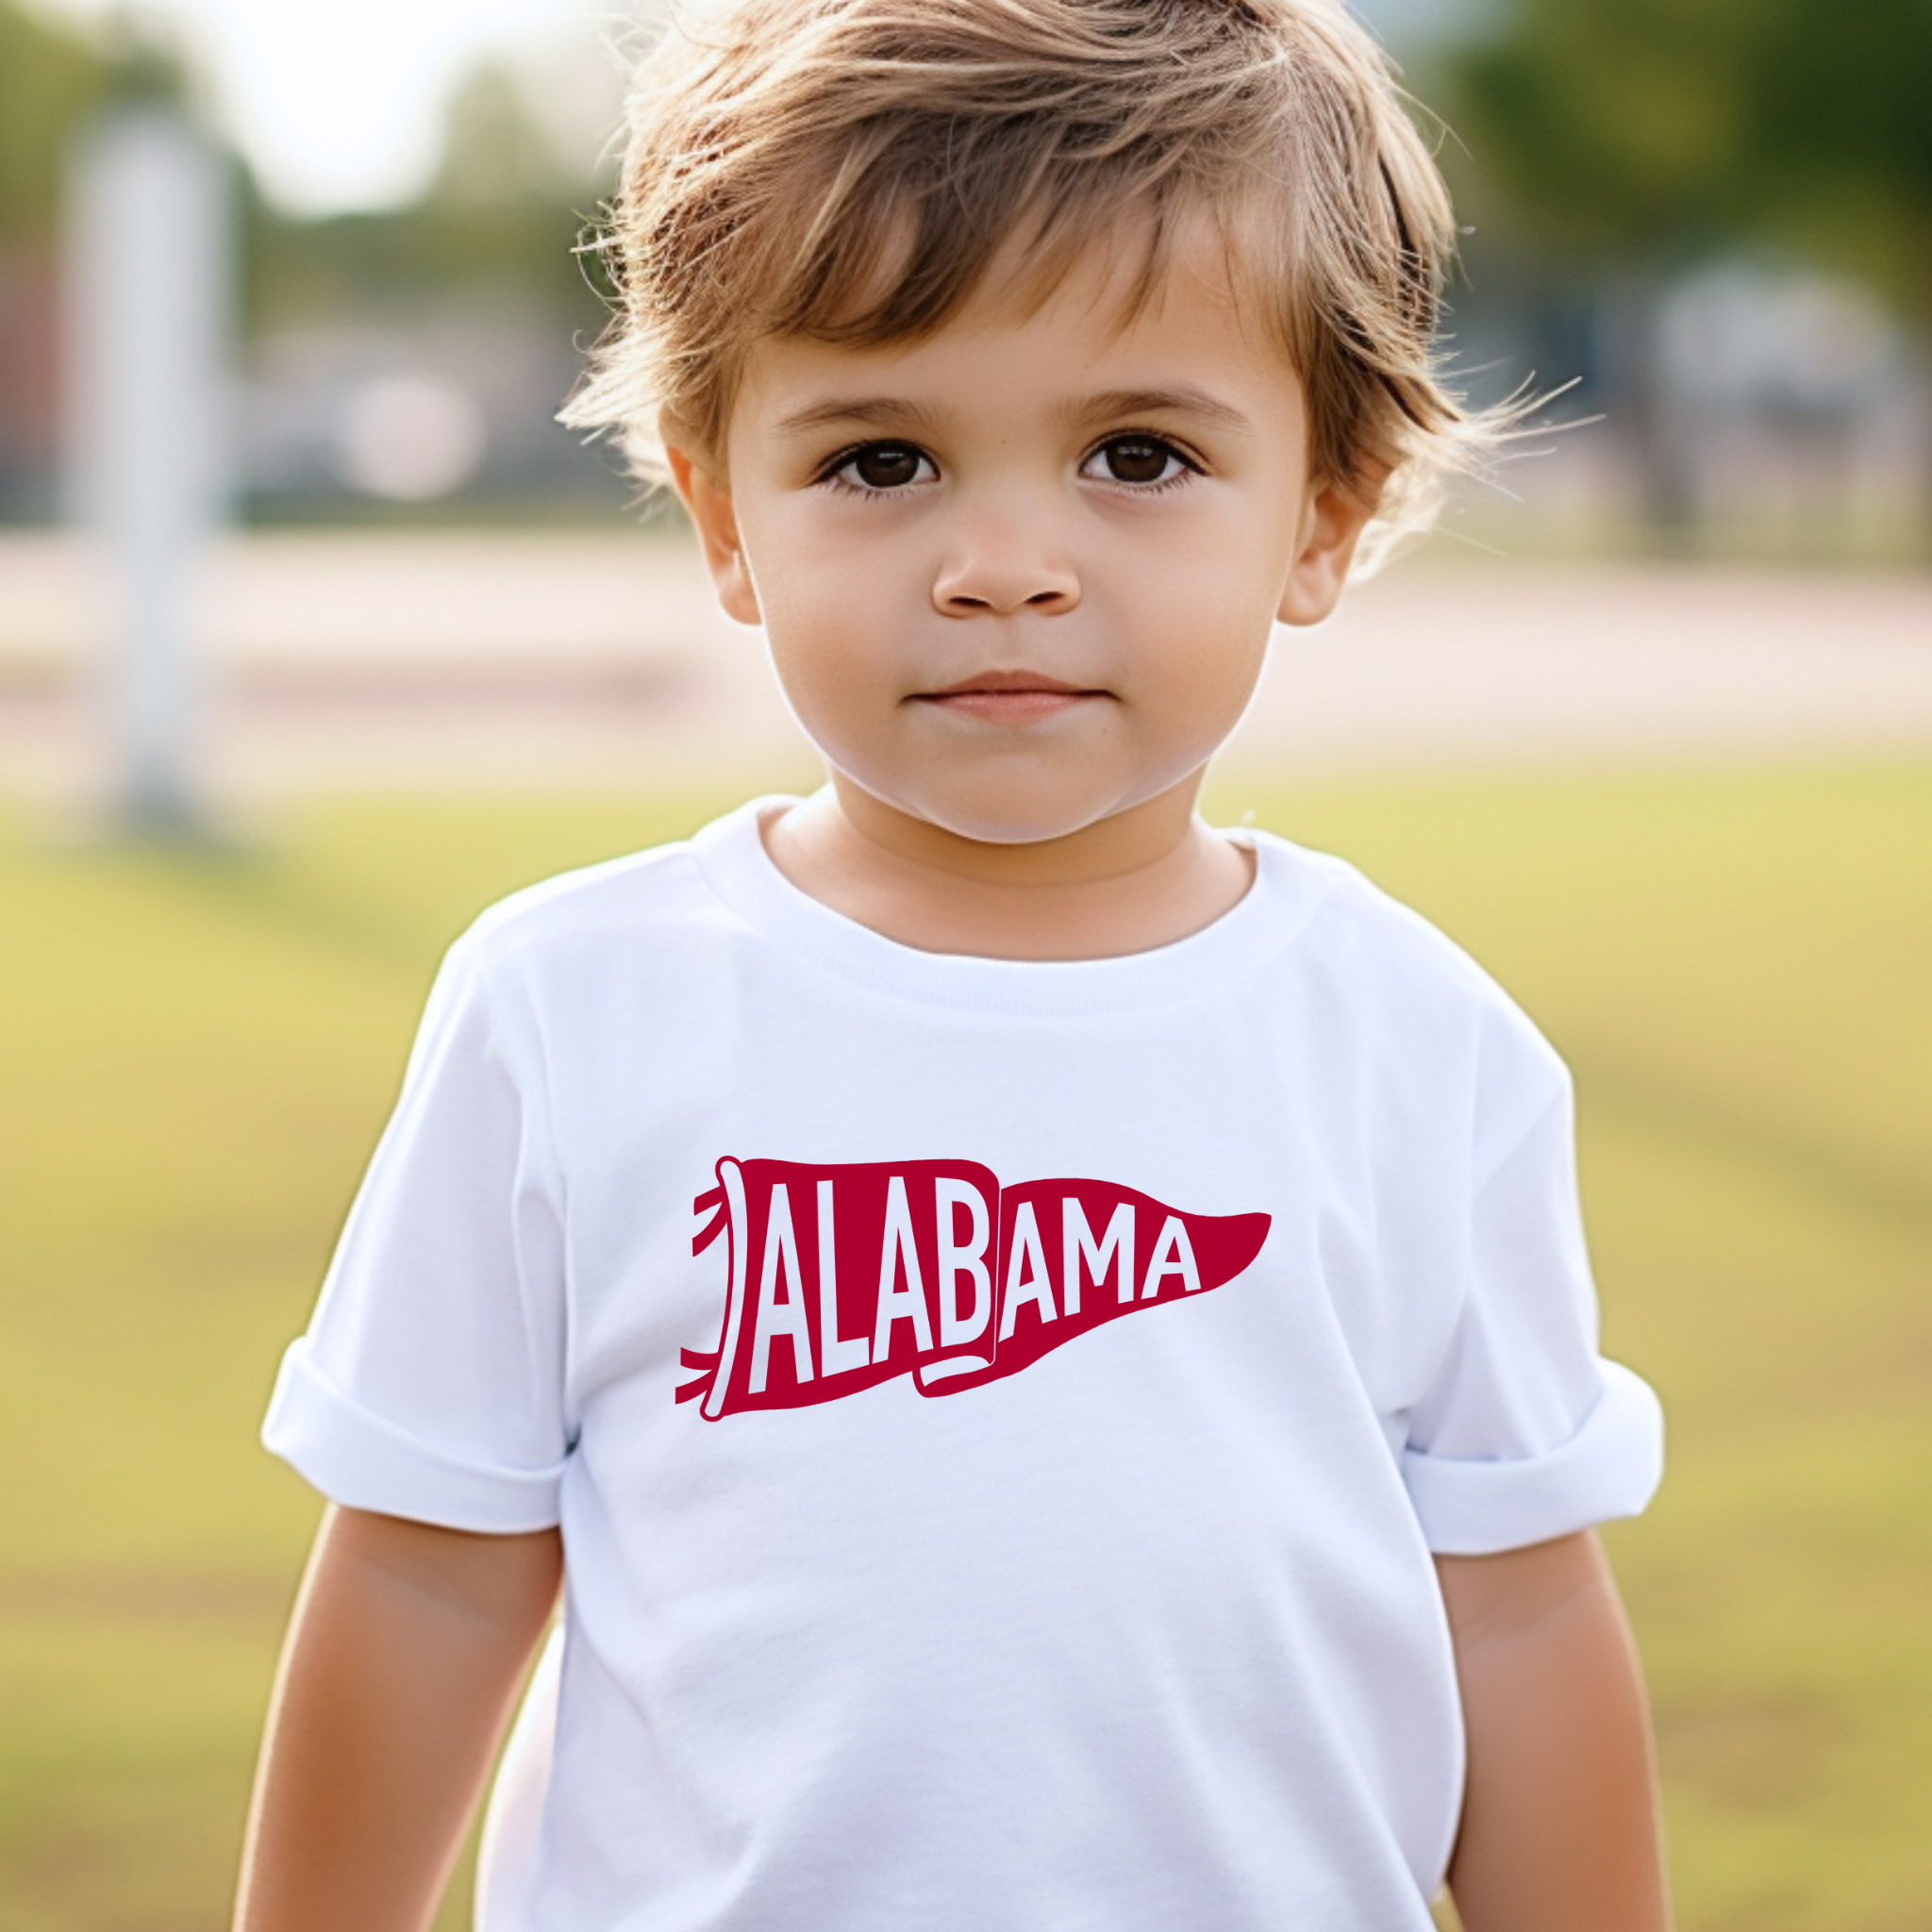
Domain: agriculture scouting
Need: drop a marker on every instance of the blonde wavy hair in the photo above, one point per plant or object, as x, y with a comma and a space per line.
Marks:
849, 169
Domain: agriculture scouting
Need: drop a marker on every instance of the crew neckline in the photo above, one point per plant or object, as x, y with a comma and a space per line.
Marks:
1287, 886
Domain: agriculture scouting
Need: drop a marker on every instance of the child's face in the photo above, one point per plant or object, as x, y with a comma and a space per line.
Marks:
1019, 577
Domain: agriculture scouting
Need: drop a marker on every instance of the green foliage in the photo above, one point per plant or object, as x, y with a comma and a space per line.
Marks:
50, 77
53, 77
495, 154
1642, 128
1845, 134
502, 220
434, 254
1607, 121
197, 1053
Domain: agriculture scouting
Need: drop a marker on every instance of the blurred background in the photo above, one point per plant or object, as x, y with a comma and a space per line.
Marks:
317, 634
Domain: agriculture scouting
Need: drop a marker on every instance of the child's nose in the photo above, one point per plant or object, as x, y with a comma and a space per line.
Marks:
1001, 572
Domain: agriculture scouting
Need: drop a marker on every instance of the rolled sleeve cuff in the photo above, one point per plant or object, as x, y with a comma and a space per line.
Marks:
1609, 1468
364, 1461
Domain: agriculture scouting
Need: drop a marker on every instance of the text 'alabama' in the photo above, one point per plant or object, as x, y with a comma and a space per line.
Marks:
841, 1277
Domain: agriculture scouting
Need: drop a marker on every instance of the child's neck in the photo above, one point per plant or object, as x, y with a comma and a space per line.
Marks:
1141, 878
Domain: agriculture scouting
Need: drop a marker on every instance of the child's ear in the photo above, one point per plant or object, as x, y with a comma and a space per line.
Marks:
710, 504
1332, 525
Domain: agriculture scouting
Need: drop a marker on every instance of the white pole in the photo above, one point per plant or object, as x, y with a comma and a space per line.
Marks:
150, 287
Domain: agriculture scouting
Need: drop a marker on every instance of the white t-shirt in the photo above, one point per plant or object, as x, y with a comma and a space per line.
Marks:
999, 1414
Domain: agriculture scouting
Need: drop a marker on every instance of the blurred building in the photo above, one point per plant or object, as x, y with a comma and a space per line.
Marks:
444, 406
29, 382
419, 359
50, 82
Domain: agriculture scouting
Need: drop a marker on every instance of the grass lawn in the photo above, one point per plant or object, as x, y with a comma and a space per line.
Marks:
196, 1055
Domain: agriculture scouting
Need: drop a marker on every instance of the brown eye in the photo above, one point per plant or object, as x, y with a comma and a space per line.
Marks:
1137, 460
886, 466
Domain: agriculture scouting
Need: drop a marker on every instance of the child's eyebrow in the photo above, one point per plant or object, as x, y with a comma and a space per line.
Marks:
1184, 401
902, 412
874, 412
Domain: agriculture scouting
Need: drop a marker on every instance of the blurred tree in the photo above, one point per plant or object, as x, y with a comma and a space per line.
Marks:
1650, 128
1611, 124
474, 283
1624, 138
495, 154
501, 217
50, 77
53, 78
1843, 136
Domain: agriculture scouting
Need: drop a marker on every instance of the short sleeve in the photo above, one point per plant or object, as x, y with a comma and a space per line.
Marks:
429, 1384
1525, 1432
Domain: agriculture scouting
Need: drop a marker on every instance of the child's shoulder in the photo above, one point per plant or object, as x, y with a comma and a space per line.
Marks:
1382, 972
1353, 923
601, 909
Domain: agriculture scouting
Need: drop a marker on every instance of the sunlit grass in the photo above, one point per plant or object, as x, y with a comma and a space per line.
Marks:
197, 1052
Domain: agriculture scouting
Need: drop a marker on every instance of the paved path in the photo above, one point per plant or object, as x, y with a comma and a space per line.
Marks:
355, 661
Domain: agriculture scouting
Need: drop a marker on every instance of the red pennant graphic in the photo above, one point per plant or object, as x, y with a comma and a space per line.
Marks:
842, 1277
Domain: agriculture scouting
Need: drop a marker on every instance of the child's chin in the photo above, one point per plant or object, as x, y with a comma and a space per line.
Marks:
1009, 820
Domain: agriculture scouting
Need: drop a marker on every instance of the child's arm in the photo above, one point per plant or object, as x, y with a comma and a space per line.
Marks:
406, 1649
1559, 1825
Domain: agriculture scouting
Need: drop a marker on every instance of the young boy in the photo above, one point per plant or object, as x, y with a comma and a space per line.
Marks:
1116, 1442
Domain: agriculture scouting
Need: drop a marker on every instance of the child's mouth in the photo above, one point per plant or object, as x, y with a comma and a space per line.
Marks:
1011, 697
